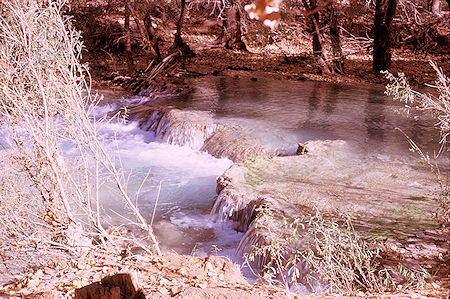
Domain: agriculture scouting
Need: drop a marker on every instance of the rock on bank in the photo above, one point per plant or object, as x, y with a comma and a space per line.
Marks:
387, 200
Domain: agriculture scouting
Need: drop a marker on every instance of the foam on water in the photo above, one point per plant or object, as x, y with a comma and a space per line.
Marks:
188, 188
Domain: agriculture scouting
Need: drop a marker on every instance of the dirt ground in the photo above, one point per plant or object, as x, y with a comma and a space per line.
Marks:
170, 276
277, 61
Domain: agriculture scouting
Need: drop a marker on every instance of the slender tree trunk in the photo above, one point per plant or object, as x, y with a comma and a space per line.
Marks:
317, 42
144, 34
338, 65
318, 52
384, 14
179, 44
151, 33
180, 20
240, 43
222, 39
128, 52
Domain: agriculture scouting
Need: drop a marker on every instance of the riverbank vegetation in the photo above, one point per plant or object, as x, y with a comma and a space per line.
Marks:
50, 213
54, 235
438, 104
330, 255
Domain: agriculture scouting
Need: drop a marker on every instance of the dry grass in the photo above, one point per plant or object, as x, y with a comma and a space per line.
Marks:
438, 104
50, 203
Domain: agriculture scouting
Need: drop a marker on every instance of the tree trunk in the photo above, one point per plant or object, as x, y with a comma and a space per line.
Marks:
338, 65
179, 44
240, 43
232, 38
318, 52
144, 34
222, 38
317, 42
151, 33
384, 14
128, 53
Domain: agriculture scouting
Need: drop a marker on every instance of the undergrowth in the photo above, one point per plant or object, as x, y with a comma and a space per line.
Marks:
50, 202
438, 105
323, 254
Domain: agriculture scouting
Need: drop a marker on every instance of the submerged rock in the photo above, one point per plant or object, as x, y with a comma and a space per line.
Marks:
386, 200
230, 141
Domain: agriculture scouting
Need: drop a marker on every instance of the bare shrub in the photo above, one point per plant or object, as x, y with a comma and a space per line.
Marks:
438, 105
45, 102
321, 253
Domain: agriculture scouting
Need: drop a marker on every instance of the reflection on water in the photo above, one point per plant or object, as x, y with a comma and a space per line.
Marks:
375, 117
283, 113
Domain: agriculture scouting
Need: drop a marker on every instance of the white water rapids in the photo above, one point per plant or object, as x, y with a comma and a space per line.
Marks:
187, 178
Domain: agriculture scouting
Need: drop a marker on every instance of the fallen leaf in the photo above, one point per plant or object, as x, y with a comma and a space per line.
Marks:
182, 271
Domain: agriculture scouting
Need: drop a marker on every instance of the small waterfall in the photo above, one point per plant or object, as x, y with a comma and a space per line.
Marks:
177, 127
252, 238
198, 130
229, 206
232, 142
183, 128
335, 177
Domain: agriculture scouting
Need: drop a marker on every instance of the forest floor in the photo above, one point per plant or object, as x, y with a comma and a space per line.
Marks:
288, 58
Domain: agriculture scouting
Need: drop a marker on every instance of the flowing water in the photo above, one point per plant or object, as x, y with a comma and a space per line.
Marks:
282, 113
279, 114
176, 184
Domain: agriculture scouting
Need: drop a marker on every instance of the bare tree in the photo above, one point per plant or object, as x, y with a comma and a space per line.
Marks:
338, 65
145, 30
151, 34
129, 53
45, 102
319, 53
232, 32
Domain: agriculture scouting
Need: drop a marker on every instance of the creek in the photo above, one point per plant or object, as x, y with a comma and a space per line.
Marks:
279, 115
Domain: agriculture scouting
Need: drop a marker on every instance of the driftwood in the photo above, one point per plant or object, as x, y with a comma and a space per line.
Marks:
119, 286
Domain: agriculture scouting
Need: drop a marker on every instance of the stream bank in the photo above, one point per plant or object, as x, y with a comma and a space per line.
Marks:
379, 188
182, 122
